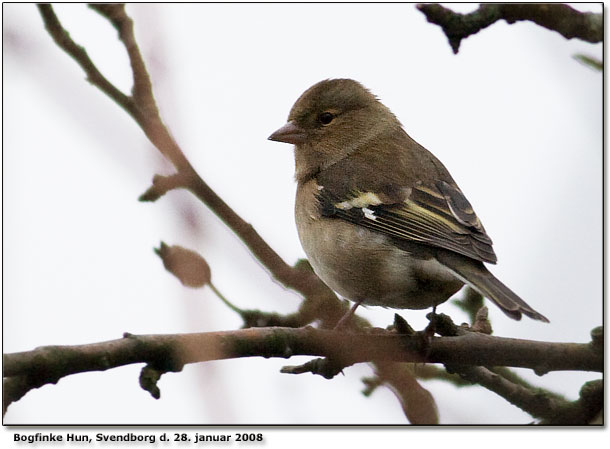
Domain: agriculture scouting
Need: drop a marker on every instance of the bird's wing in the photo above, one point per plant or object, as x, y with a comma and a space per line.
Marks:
436, 214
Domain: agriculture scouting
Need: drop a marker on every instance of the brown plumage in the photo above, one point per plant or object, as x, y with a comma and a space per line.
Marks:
380, 218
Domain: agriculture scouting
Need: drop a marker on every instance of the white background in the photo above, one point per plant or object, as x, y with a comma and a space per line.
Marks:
513, 116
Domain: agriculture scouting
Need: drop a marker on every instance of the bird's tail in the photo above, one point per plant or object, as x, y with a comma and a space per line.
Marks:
475, 274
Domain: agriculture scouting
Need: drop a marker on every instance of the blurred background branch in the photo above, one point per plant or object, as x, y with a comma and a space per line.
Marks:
142, 107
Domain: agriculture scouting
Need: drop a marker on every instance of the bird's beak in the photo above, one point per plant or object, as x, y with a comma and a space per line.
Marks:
289, 133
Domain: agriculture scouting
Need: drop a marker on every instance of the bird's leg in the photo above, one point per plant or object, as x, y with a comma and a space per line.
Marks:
345, 318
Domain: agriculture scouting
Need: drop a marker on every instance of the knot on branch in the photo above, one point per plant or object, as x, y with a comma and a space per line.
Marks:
481, 322
327, 368
148, 380
163, 184
592, 399
443, 325
401, 326
597, 338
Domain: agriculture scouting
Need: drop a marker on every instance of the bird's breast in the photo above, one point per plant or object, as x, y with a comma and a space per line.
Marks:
362, 265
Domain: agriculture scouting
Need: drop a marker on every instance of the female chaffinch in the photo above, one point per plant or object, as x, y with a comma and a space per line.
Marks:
380, 218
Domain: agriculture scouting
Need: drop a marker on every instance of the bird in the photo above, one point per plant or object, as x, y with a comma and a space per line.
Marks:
379, 217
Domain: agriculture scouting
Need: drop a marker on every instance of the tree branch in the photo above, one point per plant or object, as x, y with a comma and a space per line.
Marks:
142, 107
165, 353
538, 403
417, 402
560, 18
94, 76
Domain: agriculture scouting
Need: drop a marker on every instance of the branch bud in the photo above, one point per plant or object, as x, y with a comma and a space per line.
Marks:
188, 266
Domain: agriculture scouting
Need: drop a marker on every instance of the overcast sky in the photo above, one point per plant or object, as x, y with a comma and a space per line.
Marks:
514, 117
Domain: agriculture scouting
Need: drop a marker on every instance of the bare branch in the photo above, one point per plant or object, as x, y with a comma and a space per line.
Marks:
417, 402
94, 76
143, 109
14, 388
513, 377
161, 185
589, 61
560, 18
538, 403
142, 86
169, 353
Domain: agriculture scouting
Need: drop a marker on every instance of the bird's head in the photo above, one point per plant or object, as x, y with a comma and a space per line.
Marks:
331, 120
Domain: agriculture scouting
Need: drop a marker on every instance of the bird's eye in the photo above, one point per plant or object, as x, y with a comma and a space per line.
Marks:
326, 117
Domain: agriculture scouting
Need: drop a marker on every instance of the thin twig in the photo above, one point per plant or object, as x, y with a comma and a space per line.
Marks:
94, 76
228, 303
549, 408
